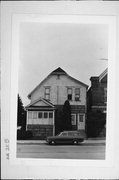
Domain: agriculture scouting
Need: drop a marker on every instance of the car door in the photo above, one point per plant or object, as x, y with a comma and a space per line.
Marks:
62, 139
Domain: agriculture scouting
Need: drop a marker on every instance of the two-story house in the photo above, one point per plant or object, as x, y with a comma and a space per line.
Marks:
49, 96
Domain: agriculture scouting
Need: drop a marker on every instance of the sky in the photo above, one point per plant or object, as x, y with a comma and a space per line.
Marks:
79, 49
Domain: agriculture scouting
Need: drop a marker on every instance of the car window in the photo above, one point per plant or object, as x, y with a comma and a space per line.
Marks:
63, 134
73, 134
70, 134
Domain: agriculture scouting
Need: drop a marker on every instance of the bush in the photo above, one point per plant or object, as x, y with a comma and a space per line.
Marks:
94, 128
24, 135
95, 124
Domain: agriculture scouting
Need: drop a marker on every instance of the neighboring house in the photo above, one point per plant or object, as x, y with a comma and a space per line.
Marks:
49, 96
97, 93
97, 105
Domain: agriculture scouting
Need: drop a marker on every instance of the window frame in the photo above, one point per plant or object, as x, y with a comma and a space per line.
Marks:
46, 112
34, 112
105, 95
82, 117
29, 112
77, 94
38, 115
49, 115
73, 124
69, 88
47, 93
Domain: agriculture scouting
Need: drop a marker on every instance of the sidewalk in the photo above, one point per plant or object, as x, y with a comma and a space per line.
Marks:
87, 141
31, 141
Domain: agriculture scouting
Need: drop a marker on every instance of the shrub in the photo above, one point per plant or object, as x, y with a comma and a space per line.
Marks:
24, 135
95, 124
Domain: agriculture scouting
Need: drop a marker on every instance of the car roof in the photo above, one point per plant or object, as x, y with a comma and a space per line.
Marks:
70, 131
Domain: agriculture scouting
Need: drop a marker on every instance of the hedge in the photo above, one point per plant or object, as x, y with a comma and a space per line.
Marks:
24, 135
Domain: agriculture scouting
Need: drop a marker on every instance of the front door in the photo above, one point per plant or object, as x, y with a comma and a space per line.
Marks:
81, 121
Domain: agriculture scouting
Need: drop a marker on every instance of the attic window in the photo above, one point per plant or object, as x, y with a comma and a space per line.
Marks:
47, 93
58, 76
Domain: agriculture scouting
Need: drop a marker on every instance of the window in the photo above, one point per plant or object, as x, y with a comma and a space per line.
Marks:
63, 134
69, 94
45, 115
58, 76
81, 117
73, 119
50, 115
40, 115
29, 115
105, 95
77, 94
34, 115
47, 93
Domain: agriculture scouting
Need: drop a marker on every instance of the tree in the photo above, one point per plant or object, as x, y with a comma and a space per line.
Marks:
21, 114
66, 116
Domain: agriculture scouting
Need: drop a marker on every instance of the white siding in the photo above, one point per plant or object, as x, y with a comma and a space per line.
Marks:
58, 90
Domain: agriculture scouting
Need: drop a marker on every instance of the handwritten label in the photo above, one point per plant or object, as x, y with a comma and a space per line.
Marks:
7, 148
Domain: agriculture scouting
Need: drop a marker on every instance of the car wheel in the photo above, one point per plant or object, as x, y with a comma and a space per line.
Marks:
75, 142
52, 142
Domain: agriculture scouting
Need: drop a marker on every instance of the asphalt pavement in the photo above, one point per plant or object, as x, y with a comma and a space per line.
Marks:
89, 149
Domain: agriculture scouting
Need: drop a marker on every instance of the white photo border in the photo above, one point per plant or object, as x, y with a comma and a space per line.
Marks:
19, 168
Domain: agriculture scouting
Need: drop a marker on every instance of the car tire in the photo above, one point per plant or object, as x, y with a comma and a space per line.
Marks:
75, 142
52, 142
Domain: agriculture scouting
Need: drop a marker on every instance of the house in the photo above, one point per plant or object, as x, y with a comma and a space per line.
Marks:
97, 105
97, 93
48, 98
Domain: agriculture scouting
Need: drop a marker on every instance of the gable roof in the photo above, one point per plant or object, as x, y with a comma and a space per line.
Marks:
103, 74
58, 71
48, 103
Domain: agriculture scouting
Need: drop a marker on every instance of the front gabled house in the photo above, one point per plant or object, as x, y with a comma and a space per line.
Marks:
49, 96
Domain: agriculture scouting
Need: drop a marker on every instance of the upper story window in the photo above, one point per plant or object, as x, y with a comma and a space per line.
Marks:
47, 93
69, 94
105, 95
77, 94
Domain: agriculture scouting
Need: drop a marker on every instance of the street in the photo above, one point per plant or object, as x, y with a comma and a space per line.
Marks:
90, 149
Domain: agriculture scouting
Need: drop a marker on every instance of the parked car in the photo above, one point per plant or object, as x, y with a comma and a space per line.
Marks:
67, 137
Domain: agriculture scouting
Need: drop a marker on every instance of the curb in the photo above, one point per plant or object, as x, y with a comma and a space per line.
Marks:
31, 142
87, 141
